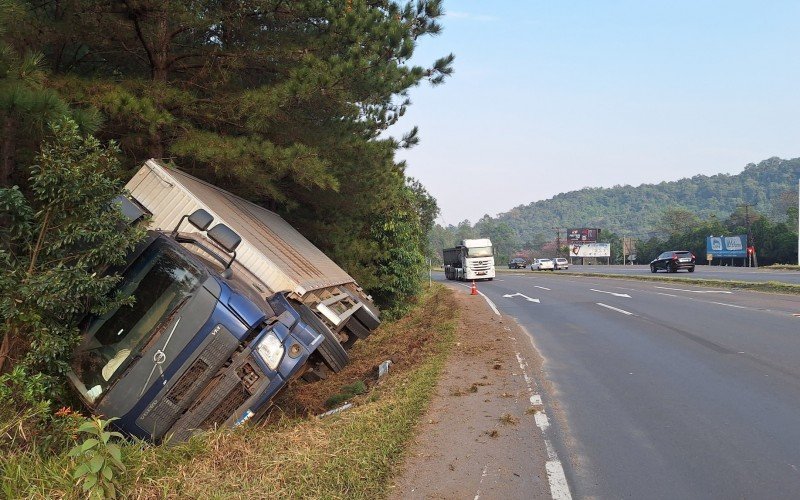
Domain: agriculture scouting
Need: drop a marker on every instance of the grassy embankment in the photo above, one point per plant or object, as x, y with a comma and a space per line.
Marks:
764, 286
351, 454
784, 267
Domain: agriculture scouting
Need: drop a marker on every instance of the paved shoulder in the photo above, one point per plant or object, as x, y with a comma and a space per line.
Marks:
480, 438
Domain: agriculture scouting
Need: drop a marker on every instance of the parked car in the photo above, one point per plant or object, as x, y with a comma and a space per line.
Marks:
542, 264
517, 263
673, 260
560, 263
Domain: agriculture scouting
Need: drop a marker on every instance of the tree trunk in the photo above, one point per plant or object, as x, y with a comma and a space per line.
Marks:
158, 69
9, 147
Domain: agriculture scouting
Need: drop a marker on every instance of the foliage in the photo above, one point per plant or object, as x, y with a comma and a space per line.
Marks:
284, 103
398, 261
56, 240
97, 460
670, 215
769, 186
295, 457
347, 392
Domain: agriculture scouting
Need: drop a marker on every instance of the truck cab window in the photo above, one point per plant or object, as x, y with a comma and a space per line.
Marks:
480, 252
160, 281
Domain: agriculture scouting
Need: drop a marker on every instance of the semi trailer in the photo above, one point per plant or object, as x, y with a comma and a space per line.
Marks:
231, 303
473, 259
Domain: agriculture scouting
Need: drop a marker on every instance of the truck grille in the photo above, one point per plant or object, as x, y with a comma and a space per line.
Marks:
226, 407
480, 265
184, 385
159, 418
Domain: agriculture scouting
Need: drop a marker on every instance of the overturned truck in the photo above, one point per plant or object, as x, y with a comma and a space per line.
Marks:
231, 303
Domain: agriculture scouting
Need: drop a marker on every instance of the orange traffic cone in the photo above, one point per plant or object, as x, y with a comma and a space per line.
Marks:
474, 289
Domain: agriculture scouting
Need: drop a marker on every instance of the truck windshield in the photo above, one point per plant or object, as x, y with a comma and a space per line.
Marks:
479, 252
160, 281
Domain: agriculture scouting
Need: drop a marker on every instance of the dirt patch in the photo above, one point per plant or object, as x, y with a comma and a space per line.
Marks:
479, 437
404, 343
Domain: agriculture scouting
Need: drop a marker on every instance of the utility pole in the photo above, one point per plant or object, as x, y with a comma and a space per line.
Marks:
558, 241
751, 258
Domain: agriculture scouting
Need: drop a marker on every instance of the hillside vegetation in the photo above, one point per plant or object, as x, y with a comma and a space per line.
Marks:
770, 187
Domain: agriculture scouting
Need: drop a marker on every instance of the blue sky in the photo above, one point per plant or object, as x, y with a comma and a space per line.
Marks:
553, 96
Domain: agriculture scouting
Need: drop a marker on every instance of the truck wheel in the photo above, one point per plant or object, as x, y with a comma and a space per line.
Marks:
355, 330
333, 353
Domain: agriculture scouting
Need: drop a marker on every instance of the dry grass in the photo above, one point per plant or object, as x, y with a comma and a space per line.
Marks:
509, 419
349, 455
760, 286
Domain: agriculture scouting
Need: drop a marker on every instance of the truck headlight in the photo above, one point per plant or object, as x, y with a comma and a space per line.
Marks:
271, 350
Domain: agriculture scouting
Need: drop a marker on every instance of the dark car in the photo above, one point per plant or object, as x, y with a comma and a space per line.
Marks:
673, 260
517, 263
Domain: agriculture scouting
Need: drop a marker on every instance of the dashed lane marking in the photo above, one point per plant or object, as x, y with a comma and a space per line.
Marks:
615, 294
692, 291
623, 311
559, 489
728, 305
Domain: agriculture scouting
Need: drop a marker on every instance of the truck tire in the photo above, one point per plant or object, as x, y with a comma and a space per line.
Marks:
332, 351
355, 331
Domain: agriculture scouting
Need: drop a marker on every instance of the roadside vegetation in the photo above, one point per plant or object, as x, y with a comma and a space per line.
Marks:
678, 229
766, 286
675, 215
351, 454
285, 104
784, 267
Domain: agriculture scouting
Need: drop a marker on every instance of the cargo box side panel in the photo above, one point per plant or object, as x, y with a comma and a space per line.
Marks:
168, 201
271, 248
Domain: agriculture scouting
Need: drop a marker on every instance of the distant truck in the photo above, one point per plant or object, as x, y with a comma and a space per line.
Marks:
231, 304
471, 260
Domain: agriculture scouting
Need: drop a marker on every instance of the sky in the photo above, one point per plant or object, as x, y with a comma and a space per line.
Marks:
553, 96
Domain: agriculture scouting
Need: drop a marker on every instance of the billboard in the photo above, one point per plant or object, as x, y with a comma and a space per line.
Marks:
727, 246
582, 235
590, 250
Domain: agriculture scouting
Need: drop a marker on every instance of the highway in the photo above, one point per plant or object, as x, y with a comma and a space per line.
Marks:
664, 389
701, 272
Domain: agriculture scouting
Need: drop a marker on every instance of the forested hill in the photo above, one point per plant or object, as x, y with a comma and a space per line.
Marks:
771, 186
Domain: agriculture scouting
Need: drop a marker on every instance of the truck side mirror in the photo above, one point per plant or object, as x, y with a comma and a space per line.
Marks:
225, 237
201, 219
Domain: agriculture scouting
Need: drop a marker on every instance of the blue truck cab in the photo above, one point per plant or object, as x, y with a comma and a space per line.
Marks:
196, 348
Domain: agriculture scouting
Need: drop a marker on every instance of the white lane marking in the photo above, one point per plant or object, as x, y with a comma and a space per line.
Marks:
693, 291
488, 300
729, 305
612, 293
483, 476
559, 489
508, 296
542, 287
536, 400
558, 481
615, 309
668, 295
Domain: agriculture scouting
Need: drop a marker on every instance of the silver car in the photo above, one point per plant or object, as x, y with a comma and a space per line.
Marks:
542, 264
561, 263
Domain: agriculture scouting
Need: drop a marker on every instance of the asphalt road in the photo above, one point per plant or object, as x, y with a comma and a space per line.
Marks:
701, 272
665, 390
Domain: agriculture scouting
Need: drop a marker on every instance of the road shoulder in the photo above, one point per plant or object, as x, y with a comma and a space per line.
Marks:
479, 437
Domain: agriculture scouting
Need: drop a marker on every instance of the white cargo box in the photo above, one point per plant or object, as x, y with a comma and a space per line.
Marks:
271, 248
